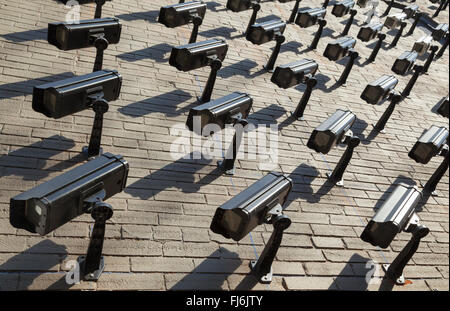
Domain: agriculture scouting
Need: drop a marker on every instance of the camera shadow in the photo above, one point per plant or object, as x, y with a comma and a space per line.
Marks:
211, 273
302, 177
241, 68
42, 258
30, 162
149, 16
26, 36
156, 52
225, 32
267, 116
212, 5
164, 103
15, 89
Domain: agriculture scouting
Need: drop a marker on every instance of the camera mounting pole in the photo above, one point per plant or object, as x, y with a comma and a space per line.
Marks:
353, 56
98, 8
322, 23
276, 51
430, 58
444, 46
294, 11
414, 25
337, 176
395, 99
263, 267
255, 7
388, 9
101, 44
92, 265
227, 165
394, 271
197, 21
215, 65
100, 107
349, 22
311, 82
417, 71
439, 9
376, 49
398, 35
325, 4
431, 184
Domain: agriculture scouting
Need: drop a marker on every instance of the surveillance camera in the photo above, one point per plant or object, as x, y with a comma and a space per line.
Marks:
265, 32
181, 13
240, 5
421, 46
410, 10
394, 21
249, 209
429, 144
342, 8
331, 132
286, 76
369, 32
440, 32
195, 55
221, 111
362, 3
58, 201
393, 216
67, 36
404, 62
69, 96
308, 17
339, 48
443, 109
379, 89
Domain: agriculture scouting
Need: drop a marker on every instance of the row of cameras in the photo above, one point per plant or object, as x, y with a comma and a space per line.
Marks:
84, 189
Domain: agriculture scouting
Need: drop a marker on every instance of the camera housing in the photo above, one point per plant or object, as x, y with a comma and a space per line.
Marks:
56, 202
308, 17
394, 21
393, 216
180, 14
443, 108
410, 10
379, 89
440, 31
342, 8
339, 48
370, 31
264, 32
289, 75
405, 62
422, 45
429, 144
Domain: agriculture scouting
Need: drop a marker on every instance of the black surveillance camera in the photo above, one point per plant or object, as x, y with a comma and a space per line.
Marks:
182, 14
261, 203
422, 45
265, 32
69, 96
61, 199
395, 215
331, 132
342, 8
410, 10
405, 62
379, 89
98, 33
440, 31
232, 109
394, 21
370, 31
292, 74
196, 55
308, 17
339, 49
429, 144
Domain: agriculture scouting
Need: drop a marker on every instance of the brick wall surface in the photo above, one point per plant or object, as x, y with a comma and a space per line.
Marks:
159, 236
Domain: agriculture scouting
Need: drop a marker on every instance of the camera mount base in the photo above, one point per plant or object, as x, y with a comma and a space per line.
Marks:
228, 164
263, 267
349, 22
398, 35
310, 84
100, 107
255, 7
215, 65
92, 264
322, 23
85, 150
276, 51
337, 176
395, 100
353, 56
376, 49
294, 11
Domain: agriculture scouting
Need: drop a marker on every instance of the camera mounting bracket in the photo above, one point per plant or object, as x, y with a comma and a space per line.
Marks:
417, 17
98, 8
100, 107
255, 7
294, 11
197, 20
426, 66
92, 264
322, 23
381, 37
228, 164
280, 38
444, 46
394, 271
337, 175
310, 82
417, 71
431, 184
101, 44
349, 22
353, 55
215, 63
395, 99
398, 35
263, 266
